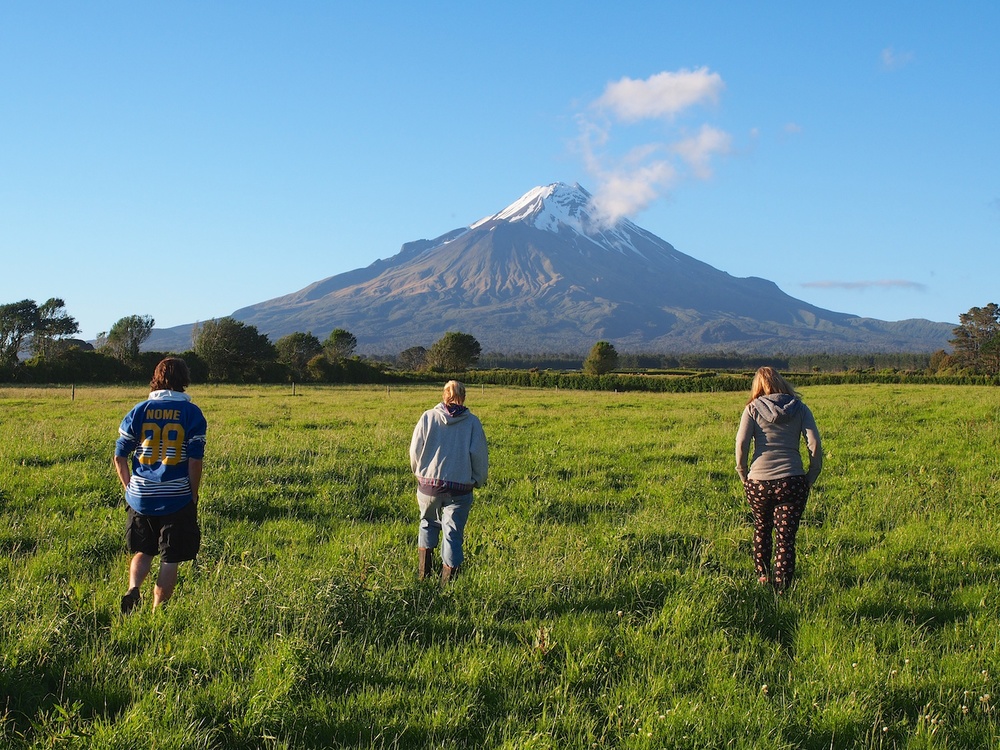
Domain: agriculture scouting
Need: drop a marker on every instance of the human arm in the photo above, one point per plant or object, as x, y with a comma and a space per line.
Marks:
743, 436
120, 463
417, 445
125, 446
194, 477
479, 454
814, 445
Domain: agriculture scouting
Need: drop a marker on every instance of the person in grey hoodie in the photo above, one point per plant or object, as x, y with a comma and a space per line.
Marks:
449, 458
777, 484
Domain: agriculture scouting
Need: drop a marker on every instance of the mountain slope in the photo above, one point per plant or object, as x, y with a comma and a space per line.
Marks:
543, 275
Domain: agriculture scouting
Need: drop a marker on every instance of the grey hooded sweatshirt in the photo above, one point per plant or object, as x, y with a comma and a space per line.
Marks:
774, 423
449, 450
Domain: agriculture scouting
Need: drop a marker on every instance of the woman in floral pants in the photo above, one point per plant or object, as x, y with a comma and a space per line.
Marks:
776, 483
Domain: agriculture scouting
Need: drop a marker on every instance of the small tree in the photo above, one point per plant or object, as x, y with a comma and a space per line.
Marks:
340, 344
233, 350
939, 362
295, 350
52, 323
454, 352
127, 336
602, 359
414, 358
977, 339
17, 323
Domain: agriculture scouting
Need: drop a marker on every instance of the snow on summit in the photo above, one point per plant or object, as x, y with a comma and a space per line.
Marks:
547, 207
557, 206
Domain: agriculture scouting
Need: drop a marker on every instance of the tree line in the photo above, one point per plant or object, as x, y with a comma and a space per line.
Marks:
37, 345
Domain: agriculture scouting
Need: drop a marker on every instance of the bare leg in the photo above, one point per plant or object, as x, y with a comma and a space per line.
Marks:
165, 582
139, 569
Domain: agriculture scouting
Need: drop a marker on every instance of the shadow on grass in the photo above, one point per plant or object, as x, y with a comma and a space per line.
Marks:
15, 544
748, 608
581, 512
350, 727
45, 462
914, 592
739, 606
100, 551
48, 702
639, 598
369, 495
657, 547
927, 616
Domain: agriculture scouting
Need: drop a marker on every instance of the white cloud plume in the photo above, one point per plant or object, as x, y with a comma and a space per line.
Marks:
624, 191
662, 95
629, 183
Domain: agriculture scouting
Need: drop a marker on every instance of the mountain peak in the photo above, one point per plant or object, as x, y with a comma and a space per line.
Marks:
548, 207
559, 207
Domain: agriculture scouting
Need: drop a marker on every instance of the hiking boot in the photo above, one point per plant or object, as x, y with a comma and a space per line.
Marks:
424, 562
448, 573
131, 600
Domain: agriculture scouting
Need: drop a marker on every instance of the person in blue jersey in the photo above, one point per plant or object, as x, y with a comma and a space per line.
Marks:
165, 438
449, 458
775, 420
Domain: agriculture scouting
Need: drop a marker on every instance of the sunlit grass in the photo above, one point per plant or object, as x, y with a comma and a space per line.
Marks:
608, 598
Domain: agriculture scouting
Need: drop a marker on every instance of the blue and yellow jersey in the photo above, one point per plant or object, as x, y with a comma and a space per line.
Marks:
161, 434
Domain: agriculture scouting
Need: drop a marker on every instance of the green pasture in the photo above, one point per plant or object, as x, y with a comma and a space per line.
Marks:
607, 601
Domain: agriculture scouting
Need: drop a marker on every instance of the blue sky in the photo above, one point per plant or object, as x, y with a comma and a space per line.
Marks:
183, 160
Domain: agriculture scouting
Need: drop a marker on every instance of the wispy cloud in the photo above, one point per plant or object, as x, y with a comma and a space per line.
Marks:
662, 95
698, 150
792, 128
893, 60
862, 285
629, 182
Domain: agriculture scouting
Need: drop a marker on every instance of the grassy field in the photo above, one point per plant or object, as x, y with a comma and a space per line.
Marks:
608, 598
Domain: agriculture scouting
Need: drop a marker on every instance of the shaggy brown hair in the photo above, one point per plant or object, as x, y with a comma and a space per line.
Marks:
171, 374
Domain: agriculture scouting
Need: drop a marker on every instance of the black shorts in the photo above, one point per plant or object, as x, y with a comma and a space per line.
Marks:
176, 537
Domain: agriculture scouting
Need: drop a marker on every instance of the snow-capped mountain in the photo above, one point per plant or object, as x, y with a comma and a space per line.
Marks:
561, 208
546, 274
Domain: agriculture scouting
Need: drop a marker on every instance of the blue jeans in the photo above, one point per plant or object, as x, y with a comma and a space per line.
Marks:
448, 512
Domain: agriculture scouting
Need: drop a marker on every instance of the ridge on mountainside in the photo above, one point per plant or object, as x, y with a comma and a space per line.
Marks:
544, 274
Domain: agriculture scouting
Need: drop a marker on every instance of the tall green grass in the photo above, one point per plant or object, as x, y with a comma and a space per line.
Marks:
608, 598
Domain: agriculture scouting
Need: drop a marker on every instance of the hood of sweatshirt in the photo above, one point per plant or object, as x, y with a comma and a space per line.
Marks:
776, 407
451, 413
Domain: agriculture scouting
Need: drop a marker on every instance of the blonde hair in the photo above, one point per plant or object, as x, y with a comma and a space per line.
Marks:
454, 393
767, 381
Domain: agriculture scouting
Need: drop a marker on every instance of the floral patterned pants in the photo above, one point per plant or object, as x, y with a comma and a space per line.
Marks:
777, 506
